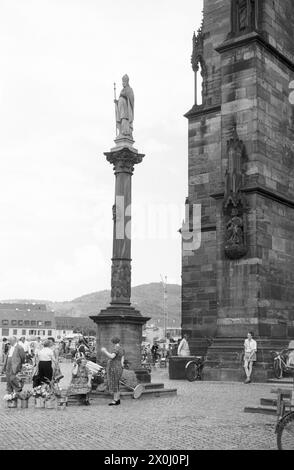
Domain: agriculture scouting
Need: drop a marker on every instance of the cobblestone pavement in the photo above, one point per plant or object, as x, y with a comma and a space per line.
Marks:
203, 415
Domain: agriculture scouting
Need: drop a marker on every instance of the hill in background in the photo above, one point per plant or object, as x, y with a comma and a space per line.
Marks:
148, 298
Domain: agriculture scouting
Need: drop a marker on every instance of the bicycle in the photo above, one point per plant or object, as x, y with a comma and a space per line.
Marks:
285, 432
280, 364
194, 369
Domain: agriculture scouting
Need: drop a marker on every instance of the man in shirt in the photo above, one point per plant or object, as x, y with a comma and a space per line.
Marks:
5, 348
14, 361
250, 348
26, 347
183, 349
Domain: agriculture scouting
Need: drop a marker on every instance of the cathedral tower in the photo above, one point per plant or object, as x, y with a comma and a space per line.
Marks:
241, 171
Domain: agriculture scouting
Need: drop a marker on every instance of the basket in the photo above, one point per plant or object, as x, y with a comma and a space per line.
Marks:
12, 403
24, 403
51, 403
39, 402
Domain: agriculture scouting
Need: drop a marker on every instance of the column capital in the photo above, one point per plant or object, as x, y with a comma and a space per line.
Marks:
124, 159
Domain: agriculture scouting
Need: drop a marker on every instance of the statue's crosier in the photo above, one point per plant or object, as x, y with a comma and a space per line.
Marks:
124, 110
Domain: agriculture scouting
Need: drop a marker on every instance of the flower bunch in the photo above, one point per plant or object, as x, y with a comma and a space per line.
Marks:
41, 391
10, 396
27, 367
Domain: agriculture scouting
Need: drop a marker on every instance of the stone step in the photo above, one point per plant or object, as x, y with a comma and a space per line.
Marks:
265, 410
129, 394
235, 364
283, 381
268, 402
150, 386
147, 386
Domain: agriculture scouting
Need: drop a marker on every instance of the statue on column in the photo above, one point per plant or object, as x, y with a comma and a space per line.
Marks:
124, 110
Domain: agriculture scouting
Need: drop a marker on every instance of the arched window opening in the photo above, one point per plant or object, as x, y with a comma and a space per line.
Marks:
199, 68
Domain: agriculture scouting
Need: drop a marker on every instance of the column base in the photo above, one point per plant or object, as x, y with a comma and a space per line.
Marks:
123, 142
126, 323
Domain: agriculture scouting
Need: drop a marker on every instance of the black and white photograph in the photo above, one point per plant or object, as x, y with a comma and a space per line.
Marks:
147, 228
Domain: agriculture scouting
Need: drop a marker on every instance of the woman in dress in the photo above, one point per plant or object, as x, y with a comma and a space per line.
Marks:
114, 369
45, 360
81, 377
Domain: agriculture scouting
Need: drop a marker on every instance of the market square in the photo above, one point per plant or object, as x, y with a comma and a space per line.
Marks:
112, 197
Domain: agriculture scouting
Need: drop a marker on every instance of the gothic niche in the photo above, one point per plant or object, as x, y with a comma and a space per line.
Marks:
198, 65
245, 16
234, 202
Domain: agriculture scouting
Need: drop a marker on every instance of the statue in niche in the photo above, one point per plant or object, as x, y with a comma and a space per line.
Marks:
235, 246
234, 202
235, 234
244, 16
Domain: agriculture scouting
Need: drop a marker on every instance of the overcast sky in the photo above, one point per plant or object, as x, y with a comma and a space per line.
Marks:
58, 62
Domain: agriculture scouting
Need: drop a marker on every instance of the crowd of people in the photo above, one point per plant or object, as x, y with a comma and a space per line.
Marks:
162, 351
44, 359
41, 355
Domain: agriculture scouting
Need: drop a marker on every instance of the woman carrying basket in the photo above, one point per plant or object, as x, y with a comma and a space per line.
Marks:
114, 369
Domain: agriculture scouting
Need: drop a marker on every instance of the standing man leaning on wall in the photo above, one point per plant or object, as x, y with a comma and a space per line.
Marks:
250, 348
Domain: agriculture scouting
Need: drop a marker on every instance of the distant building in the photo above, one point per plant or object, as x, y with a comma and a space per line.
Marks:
66, 326
174, 332
26, 319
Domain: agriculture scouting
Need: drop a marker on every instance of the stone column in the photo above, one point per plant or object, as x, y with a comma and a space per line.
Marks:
120, 318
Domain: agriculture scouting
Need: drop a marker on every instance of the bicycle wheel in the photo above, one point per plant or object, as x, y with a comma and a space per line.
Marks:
278, 370
285, 432
191, 371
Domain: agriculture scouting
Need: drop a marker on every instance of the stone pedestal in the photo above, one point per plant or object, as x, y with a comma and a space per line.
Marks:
120, 318
126, 323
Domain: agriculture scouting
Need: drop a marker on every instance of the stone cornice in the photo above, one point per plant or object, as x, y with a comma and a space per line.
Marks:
262, 191
110, 317
199, 111
208, 228
245, 39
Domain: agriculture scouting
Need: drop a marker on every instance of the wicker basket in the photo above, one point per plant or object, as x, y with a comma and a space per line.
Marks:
12, 403
51, 403
24, 403
39, 402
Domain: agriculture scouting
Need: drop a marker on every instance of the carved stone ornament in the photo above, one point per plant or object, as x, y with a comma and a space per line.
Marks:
121, 280
197, 59
234, 202
124, 160
198, 48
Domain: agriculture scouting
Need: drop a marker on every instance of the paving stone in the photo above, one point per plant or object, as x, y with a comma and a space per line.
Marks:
203, 415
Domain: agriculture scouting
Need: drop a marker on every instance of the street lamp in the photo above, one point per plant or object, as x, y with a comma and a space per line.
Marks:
165, 311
